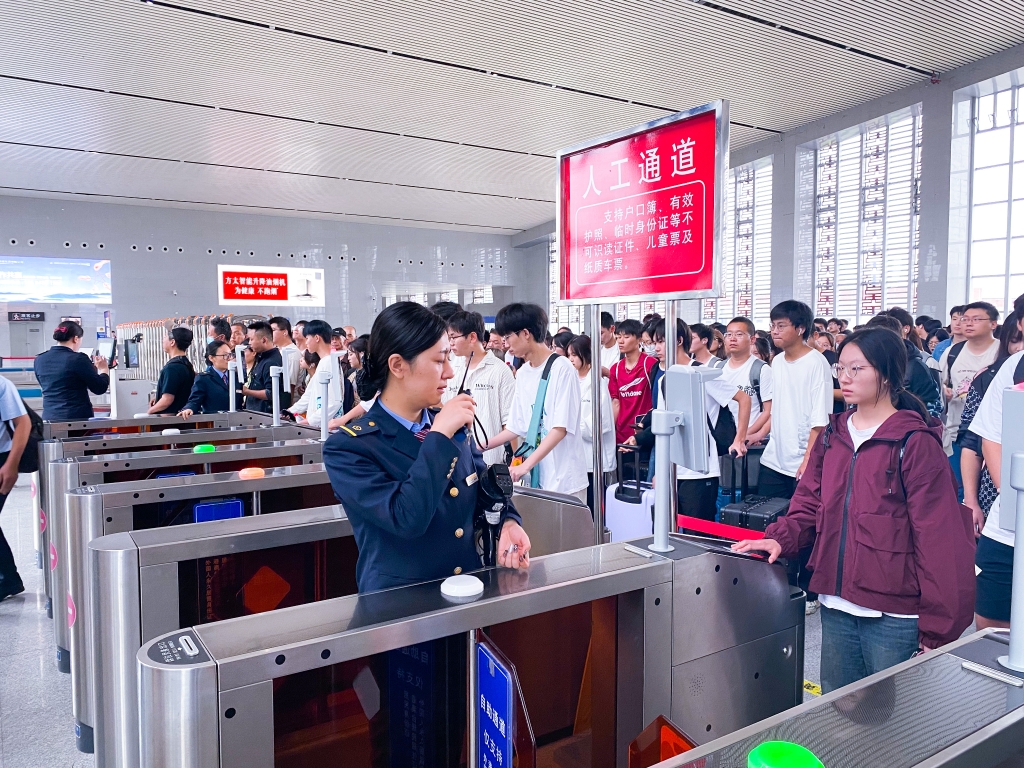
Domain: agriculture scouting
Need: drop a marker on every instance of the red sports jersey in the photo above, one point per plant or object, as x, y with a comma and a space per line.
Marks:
632, 388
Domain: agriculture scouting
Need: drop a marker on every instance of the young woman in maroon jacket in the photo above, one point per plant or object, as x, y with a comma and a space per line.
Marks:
893, 556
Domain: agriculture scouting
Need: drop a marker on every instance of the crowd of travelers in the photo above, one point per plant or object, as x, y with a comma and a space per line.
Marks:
885, 437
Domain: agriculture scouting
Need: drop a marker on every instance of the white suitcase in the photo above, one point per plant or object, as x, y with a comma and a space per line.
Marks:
629, 519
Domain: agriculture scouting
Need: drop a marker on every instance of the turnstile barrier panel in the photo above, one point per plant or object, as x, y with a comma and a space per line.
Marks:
303, 497
128, 475
398, 709
244, 583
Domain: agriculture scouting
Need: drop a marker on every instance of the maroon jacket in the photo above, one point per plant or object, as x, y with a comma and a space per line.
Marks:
875, 546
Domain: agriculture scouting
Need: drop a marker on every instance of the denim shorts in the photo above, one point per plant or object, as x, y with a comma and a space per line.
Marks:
992, 598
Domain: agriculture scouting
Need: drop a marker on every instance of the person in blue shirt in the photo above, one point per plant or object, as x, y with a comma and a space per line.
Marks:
407, 472
210, 389
67, 376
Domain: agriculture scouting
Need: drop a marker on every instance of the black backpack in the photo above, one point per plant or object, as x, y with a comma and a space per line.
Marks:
724, 431
30, 457
954, 352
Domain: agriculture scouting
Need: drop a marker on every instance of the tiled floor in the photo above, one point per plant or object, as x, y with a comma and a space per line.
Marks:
36, 726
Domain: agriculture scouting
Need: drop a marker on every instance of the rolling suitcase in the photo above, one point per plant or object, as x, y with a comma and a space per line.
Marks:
753, 512
629, 503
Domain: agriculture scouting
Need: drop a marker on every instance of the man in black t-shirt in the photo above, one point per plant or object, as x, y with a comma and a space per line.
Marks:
177, 375
257, 390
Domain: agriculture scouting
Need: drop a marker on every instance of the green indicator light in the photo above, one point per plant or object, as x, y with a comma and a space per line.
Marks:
782, 754
204, 448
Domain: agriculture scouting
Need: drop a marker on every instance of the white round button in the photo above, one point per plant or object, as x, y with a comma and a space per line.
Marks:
462, 587
170, 431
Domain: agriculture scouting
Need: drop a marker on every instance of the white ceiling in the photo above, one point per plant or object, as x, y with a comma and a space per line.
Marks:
443, 114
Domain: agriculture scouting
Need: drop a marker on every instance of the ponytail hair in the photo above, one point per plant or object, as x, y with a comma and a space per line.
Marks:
405, 329
67, 331
885, 351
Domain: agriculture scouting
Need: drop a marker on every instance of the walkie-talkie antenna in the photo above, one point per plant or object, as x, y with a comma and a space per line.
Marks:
462, 386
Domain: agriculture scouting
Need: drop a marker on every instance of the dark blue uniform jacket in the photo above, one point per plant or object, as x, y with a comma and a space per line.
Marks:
66, 378
411, 504
209, 393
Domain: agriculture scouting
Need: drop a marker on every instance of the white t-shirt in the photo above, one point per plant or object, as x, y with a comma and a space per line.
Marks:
492, 386
587, 424
988, 424
859, 437
290, 358
803, 402
314, 394
562, 470
609, 356
965, 367
740, 377
718, 393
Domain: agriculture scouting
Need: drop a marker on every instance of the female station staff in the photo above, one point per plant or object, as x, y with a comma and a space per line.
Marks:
408, 473
67, 376
210, 388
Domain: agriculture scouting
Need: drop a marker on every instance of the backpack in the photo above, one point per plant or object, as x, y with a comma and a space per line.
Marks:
1018, 372
954, 352
30, 457
724, 431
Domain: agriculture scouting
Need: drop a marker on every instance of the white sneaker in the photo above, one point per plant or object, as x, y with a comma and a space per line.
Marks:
811, 607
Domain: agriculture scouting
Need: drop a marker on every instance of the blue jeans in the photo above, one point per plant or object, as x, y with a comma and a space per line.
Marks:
954, 462
853, 647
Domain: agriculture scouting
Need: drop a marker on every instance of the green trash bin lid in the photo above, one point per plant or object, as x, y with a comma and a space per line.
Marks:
782, 754
204, 448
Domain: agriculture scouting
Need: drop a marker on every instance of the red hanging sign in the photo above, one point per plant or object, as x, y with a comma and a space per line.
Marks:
639, 212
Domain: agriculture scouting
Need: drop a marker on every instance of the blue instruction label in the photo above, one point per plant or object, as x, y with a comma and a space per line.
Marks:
495, 710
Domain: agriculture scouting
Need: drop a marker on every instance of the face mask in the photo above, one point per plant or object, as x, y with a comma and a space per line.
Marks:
649, 349
209, 339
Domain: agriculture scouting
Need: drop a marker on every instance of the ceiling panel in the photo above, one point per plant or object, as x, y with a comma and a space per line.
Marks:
102, 122
50, 170
670, 54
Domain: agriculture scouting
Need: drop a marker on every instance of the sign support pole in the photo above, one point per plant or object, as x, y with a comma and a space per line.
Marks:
596, 382
664, 469
472, 711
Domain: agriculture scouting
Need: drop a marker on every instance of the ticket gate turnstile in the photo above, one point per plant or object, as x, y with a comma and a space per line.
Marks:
147, 583
95, 511
150, 582
709, 638
955, 707
51, 525
60, 430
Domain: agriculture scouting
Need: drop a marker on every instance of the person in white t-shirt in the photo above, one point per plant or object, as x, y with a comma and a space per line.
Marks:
743, 370
609, 344
318, 340
489, 381
801, 405
558, 455
579, 356
994, 559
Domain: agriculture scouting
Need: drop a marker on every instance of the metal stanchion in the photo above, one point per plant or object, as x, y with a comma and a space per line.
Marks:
232, 385
275, 393
596, 382
1015, 659
663, 424
325, 391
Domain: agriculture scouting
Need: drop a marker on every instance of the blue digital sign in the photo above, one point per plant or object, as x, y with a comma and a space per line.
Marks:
494, 716
411, 706
40, 280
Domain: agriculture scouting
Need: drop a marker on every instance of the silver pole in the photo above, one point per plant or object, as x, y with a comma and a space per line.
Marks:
1015, 659
232, 385
671, 320
325, 391
473, 708
596, 382
664, 469
275, 393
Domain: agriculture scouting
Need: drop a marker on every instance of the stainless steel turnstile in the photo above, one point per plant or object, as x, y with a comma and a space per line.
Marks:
95, 511
61, 430
142, 580
953, 707
53, 539
212, 695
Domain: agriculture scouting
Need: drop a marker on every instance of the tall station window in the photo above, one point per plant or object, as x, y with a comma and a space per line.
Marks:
995, 262
747, 241
866, 215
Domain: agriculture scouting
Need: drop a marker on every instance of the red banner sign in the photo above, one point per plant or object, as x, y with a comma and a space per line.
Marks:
637, 211
254, 285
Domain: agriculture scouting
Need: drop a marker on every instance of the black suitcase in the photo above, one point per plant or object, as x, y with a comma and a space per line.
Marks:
753, 512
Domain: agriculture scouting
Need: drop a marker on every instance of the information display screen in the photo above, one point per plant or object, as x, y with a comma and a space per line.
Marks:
637, 211
38, 280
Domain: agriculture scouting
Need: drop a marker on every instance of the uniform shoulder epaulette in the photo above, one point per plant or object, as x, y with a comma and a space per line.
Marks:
360, 427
